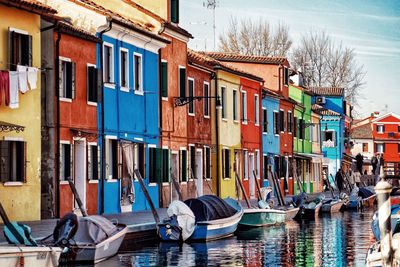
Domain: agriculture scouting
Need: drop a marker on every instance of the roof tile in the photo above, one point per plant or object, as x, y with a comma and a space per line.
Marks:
28, 4
362, 132
234, 57
328, 91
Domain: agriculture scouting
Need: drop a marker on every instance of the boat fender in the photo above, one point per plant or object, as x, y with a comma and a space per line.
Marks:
65, 229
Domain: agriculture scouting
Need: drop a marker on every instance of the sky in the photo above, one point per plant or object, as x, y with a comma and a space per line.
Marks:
370, 27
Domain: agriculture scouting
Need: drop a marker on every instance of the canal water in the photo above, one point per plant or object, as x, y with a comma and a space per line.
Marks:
332, 240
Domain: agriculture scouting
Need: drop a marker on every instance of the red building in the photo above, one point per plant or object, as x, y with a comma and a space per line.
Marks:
386, 136
199, 123
251, 140
75, 81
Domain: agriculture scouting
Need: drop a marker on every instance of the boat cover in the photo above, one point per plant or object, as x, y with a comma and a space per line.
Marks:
185, 217
93, 230
364, 193
209, 208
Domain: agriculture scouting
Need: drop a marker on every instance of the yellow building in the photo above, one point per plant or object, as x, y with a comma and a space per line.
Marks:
20, 126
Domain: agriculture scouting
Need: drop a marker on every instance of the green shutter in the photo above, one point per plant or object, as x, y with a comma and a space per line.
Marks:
164, 79
165, 166
153, 168
175, 11
182, 82
183, 165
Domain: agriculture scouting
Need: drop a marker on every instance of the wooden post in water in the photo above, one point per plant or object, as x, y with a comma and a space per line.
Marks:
383, 190
242, 188
77, 198
257, 185
147, 196
176, 185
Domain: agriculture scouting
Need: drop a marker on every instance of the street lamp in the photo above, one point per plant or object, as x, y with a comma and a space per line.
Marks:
181, 101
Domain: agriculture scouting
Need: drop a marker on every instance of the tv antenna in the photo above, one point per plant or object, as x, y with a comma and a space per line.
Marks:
212, 4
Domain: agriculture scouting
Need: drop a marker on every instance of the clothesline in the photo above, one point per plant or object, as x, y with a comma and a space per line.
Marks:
12, 64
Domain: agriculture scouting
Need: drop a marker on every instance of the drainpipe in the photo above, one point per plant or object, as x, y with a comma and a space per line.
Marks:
217, 133
57, 86
160, 200
103, 140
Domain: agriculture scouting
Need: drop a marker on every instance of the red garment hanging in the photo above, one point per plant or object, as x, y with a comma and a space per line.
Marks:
5, 87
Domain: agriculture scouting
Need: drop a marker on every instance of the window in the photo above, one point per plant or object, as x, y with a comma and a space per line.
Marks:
245, 164
235, 109
112, 159
182, 82
265, 168
256, 110
65, 161
380, 128
302, 129
138, 72
282, 120
183, 174
289, 121
192, 168
191, 94
244, 107
380, 147
124, 69
207, 162
223, 100
93, 162
140, 158
295, 127
108, 59
20, 48
206, 100
398, 148
158, 165
257, 165
67, 79
276, 122
174, 9
12, 163
92, 84
398, 128
285, 76
365, 147
329, 136
265, 120
164, 79
227, 163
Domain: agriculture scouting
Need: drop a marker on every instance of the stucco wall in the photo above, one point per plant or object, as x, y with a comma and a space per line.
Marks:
17, 200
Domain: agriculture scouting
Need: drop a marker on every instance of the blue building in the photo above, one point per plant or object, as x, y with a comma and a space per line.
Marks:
270, 132
329, 103
128, 115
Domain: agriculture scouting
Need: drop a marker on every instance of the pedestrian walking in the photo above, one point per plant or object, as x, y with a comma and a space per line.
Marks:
339, 180
357, 178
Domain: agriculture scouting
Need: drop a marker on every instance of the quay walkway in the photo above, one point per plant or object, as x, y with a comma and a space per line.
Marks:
141, 227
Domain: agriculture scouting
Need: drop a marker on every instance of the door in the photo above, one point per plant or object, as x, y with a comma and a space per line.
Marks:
80, 171
252, 181
236, 163
199, 172
174, 174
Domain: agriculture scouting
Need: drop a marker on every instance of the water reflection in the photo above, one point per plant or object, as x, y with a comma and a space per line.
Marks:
337, 240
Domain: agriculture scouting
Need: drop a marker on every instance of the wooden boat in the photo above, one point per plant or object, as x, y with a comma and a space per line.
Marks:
29, 256
254, 217
97, 239
374, 254
331, 205
308, 211
211, 218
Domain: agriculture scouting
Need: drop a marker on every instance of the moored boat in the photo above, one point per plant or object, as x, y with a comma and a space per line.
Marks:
263, 217
331, 205
202, 219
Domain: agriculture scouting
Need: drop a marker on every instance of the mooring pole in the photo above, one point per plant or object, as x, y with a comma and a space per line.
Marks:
383, 189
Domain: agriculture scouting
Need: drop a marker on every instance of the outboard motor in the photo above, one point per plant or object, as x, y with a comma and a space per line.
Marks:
172, 228
65, 230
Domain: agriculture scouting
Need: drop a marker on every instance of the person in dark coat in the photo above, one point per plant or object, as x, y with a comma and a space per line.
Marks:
359, 162
374, 163
339, 180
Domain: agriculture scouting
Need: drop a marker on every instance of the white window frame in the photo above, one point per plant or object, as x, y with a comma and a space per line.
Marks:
206, 100
256, 110
163, 98
63, 142
108, 139
262, 128
180, 67
244, 118
193, 101
89, 144
64, 99
291, 122
235, 114
148, 148
381, 145
110, 84
124, 50
380, 126
207, 163
90, 103
257, 163
224, 103
245, 164
141, 90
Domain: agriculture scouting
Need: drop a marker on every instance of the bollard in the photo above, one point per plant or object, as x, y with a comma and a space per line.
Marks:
383, 190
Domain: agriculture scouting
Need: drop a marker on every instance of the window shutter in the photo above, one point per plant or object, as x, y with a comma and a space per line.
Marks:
383, 147
164, 79
383, 128
174, 11
323, 136
22, 152
184, 165
12, 44
71, 167
119, 160
165, 165
30, 50
334, 137
60, 78
73, 76
89, 161
182, 82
